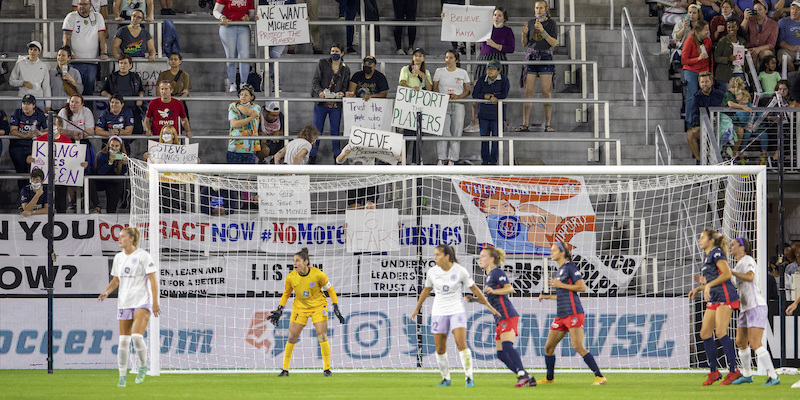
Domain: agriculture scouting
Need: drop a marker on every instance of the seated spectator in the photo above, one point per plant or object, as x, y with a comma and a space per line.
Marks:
123, 9
27, 122
78, 120
493, 87
271, 125
133, 39
706, 97
181, 84
331, 80
116, 121
742, 121
235, 38
674, 14
244, 117
357, 198
165, 111
99, 6
724, 58
33, 197
84, 31
298, 150
30, 75
65, 80
4, 128
215, 201
683, 28
695, 59
112, 160
789, 36
768, 76
719, 24
61, 192
166, 7
709, 8
453, 81
369, 82
126, 83
170, 192
761, 31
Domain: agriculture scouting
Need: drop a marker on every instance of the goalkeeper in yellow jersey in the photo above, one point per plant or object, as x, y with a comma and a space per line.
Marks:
307, 283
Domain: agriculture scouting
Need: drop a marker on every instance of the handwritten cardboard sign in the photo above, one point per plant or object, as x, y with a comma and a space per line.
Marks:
282, 24
433, 106
372, 114
67, 161
372, 230
284, 196
166, 153
371, 143
466, 23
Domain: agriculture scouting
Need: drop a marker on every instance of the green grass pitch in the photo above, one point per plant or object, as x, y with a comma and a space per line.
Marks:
101, 384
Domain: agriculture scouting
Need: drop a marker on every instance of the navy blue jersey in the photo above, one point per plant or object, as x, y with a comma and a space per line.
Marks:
26, 195
109, 121
724, 292
26, 123
568, 301
496, 280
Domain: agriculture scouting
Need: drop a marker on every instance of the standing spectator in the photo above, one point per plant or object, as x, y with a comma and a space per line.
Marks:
331, 80
123, 9
33, 197
275, 52
706, 97
789, 36
271, 125
179, 78
350, 8
761, 31
166, 7
453, 81
100, 6
540, 42
235, 38
298, 150
30, 74
313, 15
78, 120
501, 43
369, 82
112, 160
244, 116
768, 76
116, 121
27, 122
65, 81
681, 31
61, 192
696, 58
723, 56
165, 111
718, 25
125, 83
404, 10
493, 86
417, 77
133, 39
85, 32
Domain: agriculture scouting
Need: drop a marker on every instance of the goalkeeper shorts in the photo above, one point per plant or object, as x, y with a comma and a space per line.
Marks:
301, 316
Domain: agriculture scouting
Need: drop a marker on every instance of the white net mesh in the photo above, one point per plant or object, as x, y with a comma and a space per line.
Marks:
634, 237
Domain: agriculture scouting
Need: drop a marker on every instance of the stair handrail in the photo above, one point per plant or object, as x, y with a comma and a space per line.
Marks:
641, 75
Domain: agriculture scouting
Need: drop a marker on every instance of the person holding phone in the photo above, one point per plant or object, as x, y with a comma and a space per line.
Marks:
112, 160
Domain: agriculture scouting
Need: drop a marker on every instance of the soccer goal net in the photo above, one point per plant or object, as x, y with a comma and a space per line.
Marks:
225, 236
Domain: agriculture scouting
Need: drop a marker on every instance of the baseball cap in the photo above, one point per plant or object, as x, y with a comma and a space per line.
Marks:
247, 87
35, 43
497, 65
273, 106
372, 59
796, 3
419, 50
28, 98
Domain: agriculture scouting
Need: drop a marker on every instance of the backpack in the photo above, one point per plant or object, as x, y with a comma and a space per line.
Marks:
170, 42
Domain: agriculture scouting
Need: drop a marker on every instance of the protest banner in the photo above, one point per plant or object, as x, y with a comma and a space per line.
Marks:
385, 146
433, 106
67, 162
373, 114
466, 23
284, 196
280, 25
372, 230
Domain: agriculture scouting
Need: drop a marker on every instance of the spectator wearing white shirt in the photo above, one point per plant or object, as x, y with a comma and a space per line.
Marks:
30, 75
100, 6
84, 31
454, 82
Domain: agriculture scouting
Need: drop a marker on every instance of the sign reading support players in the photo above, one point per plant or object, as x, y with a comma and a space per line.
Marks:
466, 23
284, 196
282, 24
385, 146
433, 106
68, 159
372, 114
372, 230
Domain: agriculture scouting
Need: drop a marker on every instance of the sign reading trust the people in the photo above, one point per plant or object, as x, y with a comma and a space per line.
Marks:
280, 25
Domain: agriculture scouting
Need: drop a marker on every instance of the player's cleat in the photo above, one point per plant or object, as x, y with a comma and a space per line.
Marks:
532, 382
141, 375
713, 376
522, 381
327, 373
443, 383
545, 380
123, 380
600, 380
732, 376
772, 382
743, 379
283, 373
469, 383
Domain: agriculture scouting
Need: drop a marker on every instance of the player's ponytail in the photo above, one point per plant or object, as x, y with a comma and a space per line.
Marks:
722, 242
303, 254
497, 254
133, 232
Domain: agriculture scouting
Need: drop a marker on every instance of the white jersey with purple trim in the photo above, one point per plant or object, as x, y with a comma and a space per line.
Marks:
132, 270
449, 287
750, 295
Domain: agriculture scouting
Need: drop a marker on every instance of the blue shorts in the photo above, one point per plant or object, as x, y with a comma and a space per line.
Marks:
543, 69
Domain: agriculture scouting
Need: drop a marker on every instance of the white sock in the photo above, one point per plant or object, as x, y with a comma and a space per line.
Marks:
122, 354
466, 362
140, 347
444, 367
763, 355
746, 361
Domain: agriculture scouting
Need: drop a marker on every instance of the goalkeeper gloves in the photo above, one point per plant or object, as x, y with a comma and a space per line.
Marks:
275, 315
338, 313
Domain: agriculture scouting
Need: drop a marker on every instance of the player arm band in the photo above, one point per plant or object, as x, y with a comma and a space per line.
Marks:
331, 293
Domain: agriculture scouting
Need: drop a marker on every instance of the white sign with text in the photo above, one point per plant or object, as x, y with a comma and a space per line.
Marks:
433, 106
67, 162
466, 23
284, 196
372, 114
369, 143
372, 230
280, 25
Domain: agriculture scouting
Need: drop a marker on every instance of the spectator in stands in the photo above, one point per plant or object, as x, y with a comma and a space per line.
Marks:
61, 192
492, 86
331, 80
85, 32
133, 39
313, 15
170, 192
706, 97
404, 10
166, 7
244, 117
684, 27
298, 150
696, 58
215, 201
789, 36
235, 38
112, 160
165, 111
453, 81
540, 35
761, 31
27, 122
33, 197
719, 24
65, 81
501, 43
744, 5
100, 6
128, 84
709, 8
415, 76
78, 120
724, 69
30, 74
369, 82
5, 128
116, 121
674, 14
347, 11
271, 125
181, 83
768, 76
123, 9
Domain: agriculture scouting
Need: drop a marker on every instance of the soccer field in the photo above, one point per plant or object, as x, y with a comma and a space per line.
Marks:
101, 384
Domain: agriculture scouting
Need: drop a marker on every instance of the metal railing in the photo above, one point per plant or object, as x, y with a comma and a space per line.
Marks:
641, 75
662, 146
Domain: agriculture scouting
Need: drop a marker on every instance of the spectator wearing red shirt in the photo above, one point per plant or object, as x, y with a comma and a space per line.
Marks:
165, 111
696, 58
760, 31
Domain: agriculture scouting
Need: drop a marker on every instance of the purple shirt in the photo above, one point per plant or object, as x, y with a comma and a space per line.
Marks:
789, 31
503, 36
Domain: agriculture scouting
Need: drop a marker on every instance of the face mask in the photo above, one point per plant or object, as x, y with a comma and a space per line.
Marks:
113, 151
336, 57
215, 187
36, 186
727, 15
367, 70
245, 104
136, 25
166, 138
539, 16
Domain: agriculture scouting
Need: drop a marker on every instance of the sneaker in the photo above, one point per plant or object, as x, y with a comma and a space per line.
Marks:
472, 128
341, 17
400, 52
141, 375
772, 382
732, 376
469, 383
742, 379
599, 380
522, 381
545, 380
713, 376
410, 50
327, 373
232, 88
283, 373
796, 385
532, 382
443, 383
123, 380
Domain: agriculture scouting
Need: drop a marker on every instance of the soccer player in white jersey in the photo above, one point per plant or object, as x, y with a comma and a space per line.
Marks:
752, 313
135, 273
447, 280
